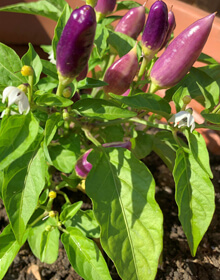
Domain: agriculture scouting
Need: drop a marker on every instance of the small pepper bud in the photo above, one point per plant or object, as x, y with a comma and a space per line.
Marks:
104, 7
52, 214
75, 44
121, 73
27, 71
52, 194
66, 115
132, 22
49, 228
83, 167
155, 30
181, 54
187, 99
67, 92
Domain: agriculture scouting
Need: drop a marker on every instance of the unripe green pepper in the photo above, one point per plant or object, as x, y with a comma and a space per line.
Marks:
181, 54
121, 73
75, 44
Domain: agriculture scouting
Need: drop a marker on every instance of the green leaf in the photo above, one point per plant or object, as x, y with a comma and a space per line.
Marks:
44, 244
101, 38
8, 250
113, 133
31, 58
122, 190
86, 222
120, 42
101, 109
59, 27
149, 102
199, 150
165, 147
50, 99
90, 83
206, 59
194, 196
23, 182
84, 256
59, 4
142, 144
49, 69
16, 135
65, 154
69, 211
10, 67
213, 118
108, 20
42, 8
1, 182
127, 5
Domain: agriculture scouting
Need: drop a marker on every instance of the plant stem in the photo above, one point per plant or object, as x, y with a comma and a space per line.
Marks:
30, 88
60, 89
90, 136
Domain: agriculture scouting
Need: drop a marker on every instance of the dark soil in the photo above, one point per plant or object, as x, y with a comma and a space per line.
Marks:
177, 262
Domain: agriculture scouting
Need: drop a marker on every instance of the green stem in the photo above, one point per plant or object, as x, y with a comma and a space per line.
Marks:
39, 218
174, 132
90, 136
60, 89
216, 109
65, 196
30, 88
144, 64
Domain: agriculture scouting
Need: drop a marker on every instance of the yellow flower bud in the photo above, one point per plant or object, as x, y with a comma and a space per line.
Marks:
49, 228
67, 92
52, 194
186, 99
52, 214
27, 71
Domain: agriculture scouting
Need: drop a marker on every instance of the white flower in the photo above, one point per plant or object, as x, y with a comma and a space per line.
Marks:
184, 118
51, 57
16, 96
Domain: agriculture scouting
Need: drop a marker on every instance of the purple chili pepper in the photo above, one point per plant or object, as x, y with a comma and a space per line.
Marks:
82, 75
121, 73
155, 30
181, 54
171, 27
83, 167
76, 42
105, 6
132, 22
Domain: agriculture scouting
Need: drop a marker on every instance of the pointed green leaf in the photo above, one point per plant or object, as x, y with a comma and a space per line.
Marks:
31, 58
199, 150
101, 109
90, 83
122, 190
69, 211
16, 135
101, 37
50, 99
49, 69
23, 182
44, 244
8, 249
150, 102
213, 118
194, 196
84, 256
42, 8
126, 5
10, 67
59, 4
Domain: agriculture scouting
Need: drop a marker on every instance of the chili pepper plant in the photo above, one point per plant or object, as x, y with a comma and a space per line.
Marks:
82, 121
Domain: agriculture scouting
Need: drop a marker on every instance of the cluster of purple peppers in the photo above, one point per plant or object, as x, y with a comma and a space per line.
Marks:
76, 43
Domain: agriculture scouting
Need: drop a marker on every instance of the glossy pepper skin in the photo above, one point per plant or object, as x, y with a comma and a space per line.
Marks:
171, 27
105, 6
155, 30
132, 22
121, 73
83, 167
181, 54
76, 42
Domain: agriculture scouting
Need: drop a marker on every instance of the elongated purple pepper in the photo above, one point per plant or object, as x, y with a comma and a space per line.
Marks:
83, 167
75, 44
181, 54
171, 27
155, 30
132, 22
121, 73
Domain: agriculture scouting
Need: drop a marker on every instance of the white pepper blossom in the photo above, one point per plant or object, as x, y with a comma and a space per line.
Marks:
15, 96
183, 118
